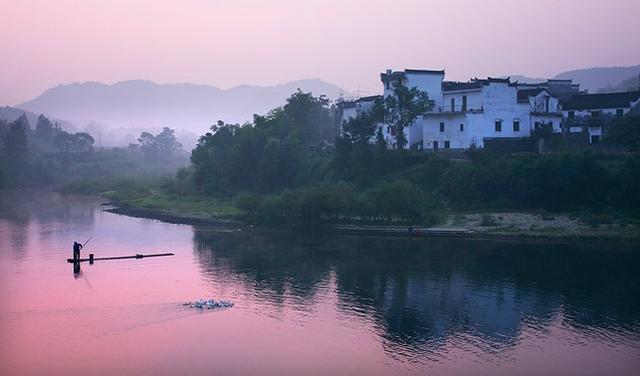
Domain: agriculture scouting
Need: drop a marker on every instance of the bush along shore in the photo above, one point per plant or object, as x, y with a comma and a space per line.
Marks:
335, 208
289, 168
543, 225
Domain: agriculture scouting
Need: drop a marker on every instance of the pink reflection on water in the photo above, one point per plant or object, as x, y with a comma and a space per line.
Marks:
126, 317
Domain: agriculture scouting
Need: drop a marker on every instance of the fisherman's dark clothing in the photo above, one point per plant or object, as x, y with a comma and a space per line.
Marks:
76, 251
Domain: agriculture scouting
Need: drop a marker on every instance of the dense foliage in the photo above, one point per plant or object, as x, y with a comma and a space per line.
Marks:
563, 181
289, 171
624, 132
47, 155
276, 151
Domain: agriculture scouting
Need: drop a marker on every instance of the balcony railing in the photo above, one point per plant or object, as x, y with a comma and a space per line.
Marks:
459, 108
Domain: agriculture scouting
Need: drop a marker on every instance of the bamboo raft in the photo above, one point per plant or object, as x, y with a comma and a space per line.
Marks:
91, 259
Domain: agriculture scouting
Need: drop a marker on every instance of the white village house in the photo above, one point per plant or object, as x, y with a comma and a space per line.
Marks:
468, 113
589, 111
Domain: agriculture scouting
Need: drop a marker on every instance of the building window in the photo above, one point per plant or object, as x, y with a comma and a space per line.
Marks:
461, 127
464, 103
453, 104
546, 104
571, 115
435, 145
387, 85
388, 130
498, 125
516, 125
595, 114
619, 112
441, 127
447, 144
536, 125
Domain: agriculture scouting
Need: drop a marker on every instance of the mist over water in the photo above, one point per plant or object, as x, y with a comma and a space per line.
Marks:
341, 305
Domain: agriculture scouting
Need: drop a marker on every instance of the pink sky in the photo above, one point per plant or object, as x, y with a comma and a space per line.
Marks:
230, 42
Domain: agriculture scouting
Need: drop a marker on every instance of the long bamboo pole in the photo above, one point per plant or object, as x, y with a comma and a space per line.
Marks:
137, 256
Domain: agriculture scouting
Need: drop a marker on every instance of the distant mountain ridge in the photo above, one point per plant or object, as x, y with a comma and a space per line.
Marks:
630, 84
192, 107
594, 79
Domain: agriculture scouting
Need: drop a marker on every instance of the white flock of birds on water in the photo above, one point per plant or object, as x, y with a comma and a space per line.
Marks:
209, 304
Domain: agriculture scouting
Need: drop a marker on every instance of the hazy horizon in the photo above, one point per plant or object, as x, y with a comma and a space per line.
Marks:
226, 43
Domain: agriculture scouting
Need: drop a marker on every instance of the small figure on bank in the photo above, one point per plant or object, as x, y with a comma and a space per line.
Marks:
410, 230
76, 250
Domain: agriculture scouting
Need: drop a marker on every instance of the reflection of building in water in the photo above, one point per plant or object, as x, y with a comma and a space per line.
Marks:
423, 293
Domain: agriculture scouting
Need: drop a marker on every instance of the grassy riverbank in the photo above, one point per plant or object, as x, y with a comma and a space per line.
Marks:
186, 209
155, 202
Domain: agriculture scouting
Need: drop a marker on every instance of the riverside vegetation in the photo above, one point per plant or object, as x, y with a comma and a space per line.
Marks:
288, 167
46, 156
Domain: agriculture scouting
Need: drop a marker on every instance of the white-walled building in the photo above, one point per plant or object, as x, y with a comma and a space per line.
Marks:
588, 112
482, 109
465, 114
595, 105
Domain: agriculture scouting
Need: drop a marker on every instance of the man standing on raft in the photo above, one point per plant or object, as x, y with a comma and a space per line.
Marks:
76, 250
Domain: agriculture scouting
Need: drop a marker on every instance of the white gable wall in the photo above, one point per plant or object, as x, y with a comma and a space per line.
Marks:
429, 82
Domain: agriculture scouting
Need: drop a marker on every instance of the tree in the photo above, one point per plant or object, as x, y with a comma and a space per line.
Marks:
166, 143
270, 164
355, 145
275, 151
360, 129
625, 132
82, 142
403, 108
17, 151
308, 116
44, 129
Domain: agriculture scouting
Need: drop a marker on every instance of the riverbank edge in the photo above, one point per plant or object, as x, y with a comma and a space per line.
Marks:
529, 235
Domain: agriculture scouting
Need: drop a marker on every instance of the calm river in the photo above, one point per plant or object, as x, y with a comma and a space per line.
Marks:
303, 305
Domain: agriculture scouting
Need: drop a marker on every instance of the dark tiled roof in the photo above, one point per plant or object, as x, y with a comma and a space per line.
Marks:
392, 76
530, 84
369, 98
401, 74
427, 71
453, 85
599, 101
352, 103
492, 80
346, 104
523, 95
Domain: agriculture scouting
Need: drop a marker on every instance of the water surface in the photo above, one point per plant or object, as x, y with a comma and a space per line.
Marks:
303, 304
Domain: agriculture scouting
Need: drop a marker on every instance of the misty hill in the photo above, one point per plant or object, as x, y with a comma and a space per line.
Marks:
605, 79
144, 104
629, 84
10, 114
594, 79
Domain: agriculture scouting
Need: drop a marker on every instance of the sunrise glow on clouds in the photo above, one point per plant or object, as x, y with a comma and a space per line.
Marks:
226, 43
